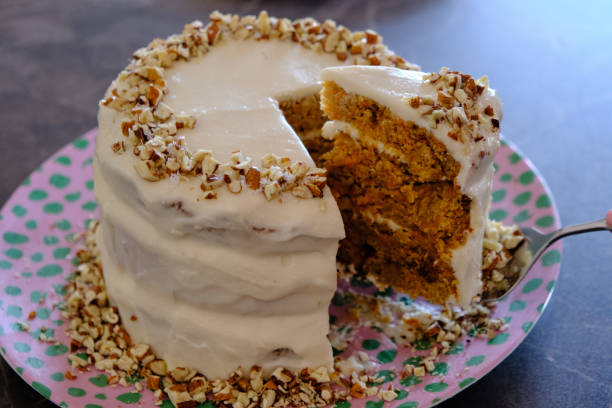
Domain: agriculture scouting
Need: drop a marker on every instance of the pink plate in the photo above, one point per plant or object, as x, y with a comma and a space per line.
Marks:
53, 205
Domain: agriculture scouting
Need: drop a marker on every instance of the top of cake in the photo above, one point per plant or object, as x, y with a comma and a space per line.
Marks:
203, 135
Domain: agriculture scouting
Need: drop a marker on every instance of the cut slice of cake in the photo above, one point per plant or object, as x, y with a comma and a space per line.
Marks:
411, 169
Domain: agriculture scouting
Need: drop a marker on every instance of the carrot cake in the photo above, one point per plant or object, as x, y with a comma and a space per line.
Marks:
411, 169
218, 233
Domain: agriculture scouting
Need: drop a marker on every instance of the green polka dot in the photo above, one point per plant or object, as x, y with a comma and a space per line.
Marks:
474, 361
48, 333
89, 184
61, 253
374, 404
95, 405
551, 257
540, 307
455, 349
50, 240
35, 362
63, 404
517, 305
410, 380
413, 361
63, 160
532, 285
89, 206
401, 394
343, 404
18, 327
521, 216
59, 289
31, 224
422, 344
498, 215
87, 162
386, 356
53, 208
545, 221
370, 344
440, 368
26, 182
129, 397
464, 383
100, 396
543, 201
56, 350
41, 388
76, 392
37, 195
57, 377
22, 347
13, 253
80, 144
72, 197
527, 326
58, 322
499, 339
550, 285
70, 237
436, 387
59, 180
19, 211
522, 199
5, 264
63, 224
99, 380
498, 195
1, 331
14, 311
526, 178
49, 270
26, 274
387, 375
12, 291
514, 158
43, 313
37, 257
408, 404
14, 238
19, 370
506, 177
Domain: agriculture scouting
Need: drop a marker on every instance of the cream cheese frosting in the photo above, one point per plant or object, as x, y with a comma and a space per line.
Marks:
394, 88
238, 280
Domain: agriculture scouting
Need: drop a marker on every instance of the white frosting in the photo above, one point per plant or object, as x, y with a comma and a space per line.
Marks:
220, 283
391, 87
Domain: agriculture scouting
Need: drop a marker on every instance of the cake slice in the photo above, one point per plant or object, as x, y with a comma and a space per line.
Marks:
411, 169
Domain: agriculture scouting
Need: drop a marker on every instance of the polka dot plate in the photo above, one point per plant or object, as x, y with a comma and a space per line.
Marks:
39, 225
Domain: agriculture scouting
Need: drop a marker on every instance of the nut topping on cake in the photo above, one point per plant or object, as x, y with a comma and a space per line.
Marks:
151, 127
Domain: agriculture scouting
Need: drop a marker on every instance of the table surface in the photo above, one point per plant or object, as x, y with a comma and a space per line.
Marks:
550, 61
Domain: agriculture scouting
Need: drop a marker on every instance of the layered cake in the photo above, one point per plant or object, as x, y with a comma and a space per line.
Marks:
218, 235
225, 192
411, 168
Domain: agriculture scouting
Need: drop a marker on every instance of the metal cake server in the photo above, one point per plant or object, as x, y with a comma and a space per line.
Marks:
538, 243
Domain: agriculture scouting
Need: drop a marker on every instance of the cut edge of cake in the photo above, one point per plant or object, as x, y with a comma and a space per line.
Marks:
411, 168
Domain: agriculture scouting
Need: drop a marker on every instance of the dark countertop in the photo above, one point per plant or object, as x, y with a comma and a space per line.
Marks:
550, 61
